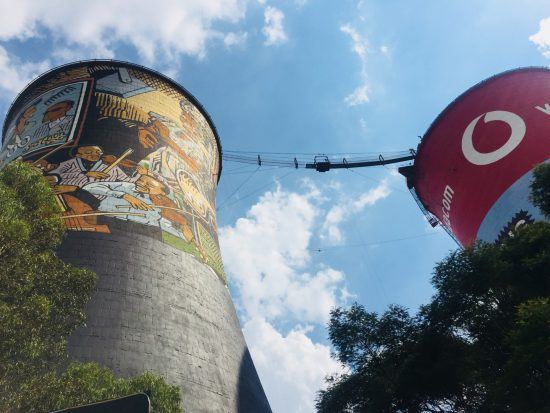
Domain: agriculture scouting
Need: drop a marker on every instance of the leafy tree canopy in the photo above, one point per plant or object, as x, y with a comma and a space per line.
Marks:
42, 302
84, 383
540, 188
481, 345
42, 298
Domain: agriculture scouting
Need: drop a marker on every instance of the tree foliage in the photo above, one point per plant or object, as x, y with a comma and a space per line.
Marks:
540, 188
481, 345
42, 298
84, 383
42, 302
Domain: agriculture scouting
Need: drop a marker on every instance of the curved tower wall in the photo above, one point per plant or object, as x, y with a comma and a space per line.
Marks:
475, 163
134, 161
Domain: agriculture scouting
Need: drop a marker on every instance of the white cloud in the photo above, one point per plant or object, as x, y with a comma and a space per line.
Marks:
273, 29
359, 96
266, 254
324, 289
163, 29
291, 367
15, 75
343, 211
313, 191
360, 43
235, 39
360, 47
385, 50
371, 197
267, 258
542, 37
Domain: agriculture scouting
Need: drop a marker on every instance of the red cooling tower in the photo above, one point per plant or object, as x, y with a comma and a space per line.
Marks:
475, 162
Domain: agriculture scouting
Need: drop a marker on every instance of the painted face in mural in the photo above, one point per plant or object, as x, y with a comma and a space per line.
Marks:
24, 119
149, 185
89, 153
57, 111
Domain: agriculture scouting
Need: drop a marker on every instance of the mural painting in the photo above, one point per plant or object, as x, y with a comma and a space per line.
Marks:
48, 121
118, 143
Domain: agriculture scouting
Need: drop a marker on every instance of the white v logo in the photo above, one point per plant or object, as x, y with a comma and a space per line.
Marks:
545, 109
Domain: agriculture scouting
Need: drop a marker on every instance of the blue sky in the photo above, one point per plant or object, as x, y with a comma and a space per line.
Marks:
300, 76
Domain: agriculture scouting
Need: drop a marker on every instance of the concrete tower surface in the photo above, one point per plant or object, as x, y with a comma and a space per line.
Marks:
134, 161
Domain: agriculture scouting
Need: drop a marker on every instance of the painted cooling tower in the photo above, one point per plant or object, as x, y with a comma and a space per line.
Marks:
475, 163
134, 161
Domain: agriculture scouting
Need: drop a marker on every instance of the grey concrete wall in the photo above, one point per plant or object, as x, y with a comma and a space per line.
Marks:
161, 303
159, 309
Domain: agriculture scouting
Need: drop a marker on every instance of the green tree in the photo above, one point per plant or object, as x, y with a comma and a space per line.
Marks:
525, 382
42, 298
540, 188
42, 302
480, 293
396, 363
84, 383
481, 345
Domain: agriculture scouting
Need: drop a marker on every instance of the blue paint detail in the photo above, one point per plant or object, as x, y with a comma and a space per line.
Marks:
515, 199
39, 134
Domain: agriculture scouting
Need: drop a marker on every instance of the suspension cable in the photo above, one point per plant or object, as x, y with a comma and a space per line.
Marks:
319, 162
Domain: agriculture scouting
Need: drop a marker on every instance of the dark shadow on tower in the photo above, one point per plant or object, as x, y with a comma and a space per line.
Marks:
250, 393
